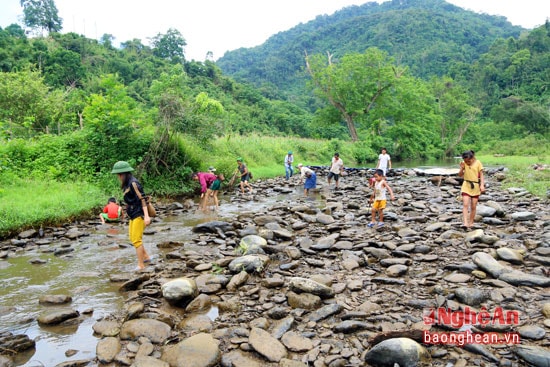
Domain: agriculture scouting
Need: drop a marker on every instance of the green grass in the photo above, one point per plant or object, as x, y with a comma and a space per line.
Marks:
28, 203
521, 172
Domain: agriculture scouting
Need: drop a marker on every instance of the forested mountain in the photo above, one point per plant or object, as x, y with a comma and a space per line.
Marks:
428, 36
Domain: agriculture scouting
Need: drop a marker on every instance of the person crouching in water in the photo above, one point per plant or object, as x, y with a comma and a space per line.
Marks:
379, 198
136, 209
471, 170
112, 212
206, 179
310, 178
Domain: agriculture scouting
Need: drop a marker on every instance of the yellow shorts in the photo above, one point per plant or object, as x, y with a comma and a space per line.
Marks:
136, 229
379, 204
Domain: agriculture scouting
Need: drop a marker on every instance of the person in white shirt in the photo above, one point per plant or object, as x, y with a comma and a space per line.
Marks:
384, 161
336, 168
289, 159
310, 176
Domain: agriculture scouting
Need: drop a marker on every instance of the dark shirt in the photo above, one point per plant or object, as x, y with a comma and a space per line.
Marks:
134, 207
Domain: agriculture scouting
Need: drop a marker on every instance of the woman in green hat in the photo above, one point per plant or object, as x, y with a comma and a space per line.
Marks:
136, 209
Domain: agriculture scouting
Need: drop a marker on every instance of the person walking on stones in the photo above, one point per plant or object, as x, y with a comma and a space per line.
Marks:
205, 179
289, 159
473, 186
384, 161
215, 189
136, 209
379, 198
310, 178
336, 168
245, 175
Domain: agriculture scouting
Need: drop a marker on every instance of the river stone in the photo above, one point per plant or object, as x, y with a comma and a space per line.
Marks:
307, 301
519, 278
546, 310
351, 326
249, 263
499, 211
485, 211
57, 316
537, 356
403, 351
107, 349
156, 331
237, 280
457, 278
266, 345
488, 264
179, 290
510, 255
407, 232
397, 270
532, 332
281, 327
369, 307
106, 328
252, 244
200, 350
146, 361
436, 226
202, 302
474, 236
262, 220
283, 234
324, 219
27, 234
471, 296
325, 311
296, 342
523, 216
303, 285
213, 227
54, 299
238, 358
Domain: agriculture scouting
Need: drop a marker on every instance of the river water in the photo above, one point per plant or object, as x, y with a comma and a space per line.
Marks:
84, 275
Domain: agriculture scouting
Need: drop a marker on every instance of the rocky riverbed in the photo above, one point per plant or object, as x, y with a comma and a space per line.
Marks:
305, 282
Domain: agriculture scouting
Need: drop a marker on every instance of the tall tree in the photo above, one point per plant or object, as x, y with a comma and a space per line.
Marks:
170, 45
355, 83
42, 14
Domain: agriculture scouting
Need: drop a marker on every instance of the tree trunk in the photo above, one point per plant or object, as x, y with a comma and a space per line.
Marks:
351, 128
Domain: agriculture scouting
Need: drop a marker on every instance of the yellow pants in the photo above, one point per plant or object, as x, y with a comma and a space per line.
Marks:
136, 228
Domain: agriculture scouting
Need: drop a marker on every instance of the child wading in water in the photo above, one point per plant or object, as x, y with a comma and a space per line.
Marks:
473, 186
379, 197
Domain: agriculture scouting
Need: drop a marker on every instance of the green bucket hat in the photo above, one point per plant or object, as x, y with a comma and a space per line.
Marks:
122, 167
239, 159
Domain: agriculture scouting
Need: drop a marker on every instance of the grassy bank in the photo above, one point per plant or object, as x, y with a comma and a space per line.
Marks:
31, 203
521, 172
43, 197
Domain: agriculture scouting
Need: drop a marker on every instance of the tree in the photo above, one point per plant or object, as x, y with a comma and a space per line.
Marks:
456, 113
41, 14
355, 83
169, 46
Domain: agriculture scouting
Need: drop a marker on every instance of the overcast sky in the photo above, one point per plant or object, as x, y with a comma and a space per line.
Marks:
222, 25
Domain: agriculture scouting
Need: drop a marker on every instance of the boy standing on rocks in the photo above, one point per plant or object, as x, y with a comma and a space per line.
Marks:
379, 197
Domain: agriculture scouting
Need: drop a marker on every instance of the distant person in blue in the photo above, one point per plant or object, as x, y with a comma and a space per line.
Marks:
289, 159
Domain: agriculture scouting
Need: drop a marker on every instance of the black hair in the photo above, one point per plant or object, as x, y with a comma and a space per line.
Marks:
127, 176
111, 200
383, 148
337, 154
468, 154
379, 172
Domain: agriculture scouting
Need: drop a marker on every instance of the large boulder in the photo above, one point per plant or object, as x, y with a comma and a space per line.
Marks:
304, 285
249, 263
200, 350
402, 351
156, 331
180, 291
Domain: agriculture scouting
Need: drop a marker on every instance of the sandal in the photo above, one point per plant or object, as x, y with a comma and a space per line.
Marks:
370, 225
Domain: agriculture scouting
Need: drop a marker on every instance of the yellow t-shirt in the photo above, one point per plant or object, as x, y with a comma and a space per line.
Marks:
471, 176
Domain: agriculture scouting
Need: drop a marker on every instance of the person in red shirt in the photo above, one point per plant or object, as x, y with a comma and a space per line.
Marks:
112, 212
205, 179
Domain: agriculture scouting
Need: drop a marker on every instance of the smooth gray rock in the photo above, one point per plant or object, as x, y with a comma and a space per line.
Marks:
303, 285
146, 361
533, 332
252, 244
107, 349
471, 296
212, 227
249, 263
537, 356
488, 264
325, 311
510, 255
179, 290
306, 301
239, 358
296, 342
281, 327
519, 278
524, 216
403, 351
57, 316
54, 299
485, 211
106, 328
